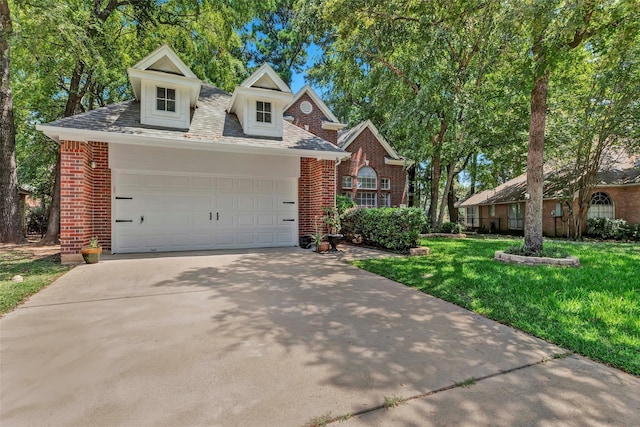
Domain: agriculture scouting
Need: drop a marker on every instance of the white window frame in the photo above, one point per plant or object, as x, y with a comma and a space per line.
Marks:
347, 182
371, 199
515, 216
385, 183
264, 110
166, 99
557, 211
367, 178
472, 217
385, 200
492, 210
601, 206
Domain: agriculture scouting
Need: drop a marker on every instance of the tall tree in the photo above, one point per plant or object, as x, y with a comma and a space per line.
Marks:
10, 229
274, 37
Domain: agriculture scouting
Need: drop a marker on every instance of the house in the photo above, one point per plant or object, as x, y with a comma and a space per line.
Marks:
375, 175
501, 210
188, 166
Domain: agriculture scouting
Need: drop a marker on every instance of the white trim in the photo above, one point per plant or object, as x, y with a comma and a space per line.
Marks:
332, 125
398, 162
369, 124
136, 76
265, 69
157, 54
318, 101
270, 94
69, 134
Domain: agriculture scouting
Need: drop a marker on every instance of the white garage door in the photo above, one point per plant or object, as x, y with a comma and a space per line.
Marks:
154, 212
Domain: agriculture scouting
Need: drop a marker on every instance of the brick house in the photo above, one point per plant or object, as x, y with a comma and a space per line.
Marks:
187, 166
375, 175
501, 210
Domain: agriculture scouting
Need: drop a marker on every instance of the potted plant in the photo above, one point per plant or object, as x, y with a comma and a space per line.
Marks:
331, 219
317, 240
91, 253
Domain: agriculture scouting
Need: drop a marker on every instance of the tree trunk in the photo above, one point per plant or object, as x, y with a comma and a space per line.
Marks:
535, 164
436, 171
445, 195
10, 216
451, 204
51, 236
411, 186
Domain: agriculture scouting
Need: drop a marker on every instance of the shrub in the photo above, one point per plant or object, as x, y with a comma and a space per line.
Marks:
344, 202
451, 227
617, 229
390, 228
36, 220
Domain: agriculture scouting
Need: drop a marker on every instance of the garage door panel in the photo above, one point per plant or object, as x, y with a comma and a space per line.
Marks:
199, 212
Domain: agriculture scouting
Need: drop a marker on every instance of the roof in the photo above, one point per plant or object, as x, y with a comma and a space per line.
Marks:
620, 169
210, 126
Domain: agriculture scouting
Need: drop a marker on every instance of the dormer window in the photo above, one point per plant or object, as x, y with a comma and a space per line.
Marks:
165, 99
263, 112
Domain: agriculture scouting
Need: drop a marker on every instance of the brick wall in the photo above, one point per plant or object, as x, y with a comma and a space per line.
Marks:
367, 147
85, 193
312, 120
315, 190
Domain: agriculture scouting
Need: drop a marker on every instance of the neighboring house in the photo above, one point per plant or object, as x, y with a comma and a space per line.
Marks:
375, 175
616, 195
187, 166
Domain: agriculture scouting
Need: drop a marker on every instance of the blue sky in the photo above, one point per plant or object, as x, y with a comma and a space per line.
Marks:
314, 52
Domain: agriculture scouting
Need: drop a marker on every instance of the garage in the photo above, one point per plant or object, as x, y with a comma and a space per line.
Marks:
178, 201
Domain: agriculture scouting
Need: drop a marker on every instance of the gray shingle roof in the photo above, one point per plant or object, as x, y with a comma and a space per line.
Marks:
210, 123
619, 169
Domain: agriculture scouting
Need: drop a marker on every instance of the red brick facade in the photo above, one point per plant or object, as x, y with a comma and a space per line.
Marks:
85, 197
366, 147
316, 189
626, 202
312, 122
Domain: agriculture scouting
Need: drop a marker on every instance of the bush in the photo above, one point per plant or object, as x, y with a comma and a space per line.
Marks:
390, 228
617, 229
36, 220
452, 227
344, 202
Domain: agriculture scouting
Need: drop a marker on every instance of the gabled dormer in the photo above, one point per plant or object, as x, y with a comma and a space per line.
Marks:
259, 103
166, 89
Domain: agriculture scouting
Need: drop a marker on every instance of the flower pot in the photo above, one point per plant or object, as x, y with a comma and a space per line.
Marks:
324, 247
91, 255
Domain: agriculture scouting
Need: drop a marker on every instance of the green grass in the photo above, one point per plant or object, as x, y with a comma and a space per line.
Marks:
593, 310
38, 272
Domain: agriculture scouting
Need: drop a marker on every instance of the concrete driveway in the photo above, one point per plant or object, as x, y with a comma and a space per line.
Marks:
276, 338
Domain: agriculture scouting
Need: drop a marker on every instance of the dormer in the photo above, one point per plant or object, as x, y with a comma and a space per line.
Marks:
166, 89
259, 103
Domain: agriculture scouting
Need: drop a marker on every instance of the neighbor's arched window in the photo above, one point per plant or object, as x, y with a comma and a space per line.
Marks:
367, 179
601, 206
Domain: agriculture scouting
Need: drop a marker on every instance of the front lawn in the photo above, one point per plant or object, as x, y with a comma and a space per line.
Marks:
37, 269
593, 310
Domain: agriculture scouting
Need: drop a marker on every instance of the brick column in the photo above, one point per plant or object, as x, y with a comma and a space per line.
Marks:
85, 197
316, 189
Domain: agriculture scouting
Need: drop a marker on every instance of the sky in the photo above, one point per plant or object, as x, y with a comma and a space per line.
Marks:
314, 52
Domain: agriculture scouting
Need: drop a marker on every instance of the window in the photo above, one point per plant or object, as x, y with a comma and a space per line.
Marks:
263, 112
601, 206
557, 211
367, 179
366, 200
472, 217
165, 99
515, 216
347, 182
385, 183
385, 200
492, 210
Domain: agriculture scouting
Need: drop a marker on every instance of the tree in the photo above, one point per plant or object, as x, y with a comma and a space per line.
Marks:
10, 227
275, 38
420, 71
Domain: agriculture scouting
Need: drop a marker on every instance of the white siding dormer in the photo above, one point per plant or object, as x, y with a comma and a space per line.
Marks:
259, 103
166, 88
151, 105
